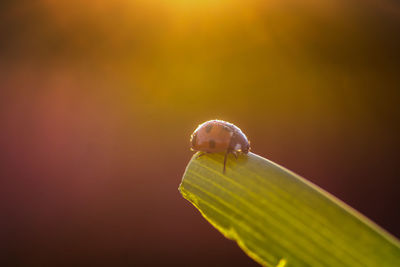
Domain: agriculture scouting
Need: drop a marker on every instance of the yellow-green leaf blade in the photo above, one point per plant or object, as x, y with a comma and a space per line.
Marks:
277, 217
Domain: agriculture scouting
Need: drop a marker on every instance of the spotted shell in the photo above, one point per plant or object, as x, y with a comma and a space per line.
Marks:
216, 136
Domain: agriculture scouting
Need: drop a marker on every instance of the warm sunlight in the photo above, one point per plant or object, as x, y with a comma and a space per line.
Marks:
98, 100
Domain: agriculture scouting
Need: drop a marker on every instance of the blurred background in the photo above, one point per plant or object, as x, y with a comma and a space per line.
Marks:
98, 100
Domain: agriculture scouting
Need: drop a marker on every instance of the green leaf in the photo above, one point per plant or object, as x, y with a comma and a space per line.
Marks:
280, 219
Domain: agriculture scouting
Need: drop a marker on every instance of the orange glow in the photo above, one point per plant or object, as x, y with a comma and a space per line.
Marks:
98, 100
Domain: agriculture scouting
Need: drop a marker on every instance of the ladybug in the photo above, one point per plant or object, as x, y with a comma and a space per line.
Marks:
217, 136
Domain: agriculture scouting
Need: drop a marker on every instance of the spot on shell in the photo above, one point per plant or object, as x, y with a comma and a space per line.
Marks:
211, 143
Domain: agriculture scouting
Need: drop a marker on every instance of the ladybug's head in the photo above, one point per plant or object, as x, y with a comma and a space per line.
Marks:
246, 147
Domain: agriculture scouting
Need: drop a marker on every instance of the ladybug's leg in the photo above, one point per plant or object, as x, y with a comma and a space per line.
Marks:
225, 158
201, 154
235, 154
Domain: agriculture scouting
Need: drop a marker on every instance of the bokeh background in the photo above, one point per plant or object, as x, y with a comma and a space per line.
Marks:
98, 100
